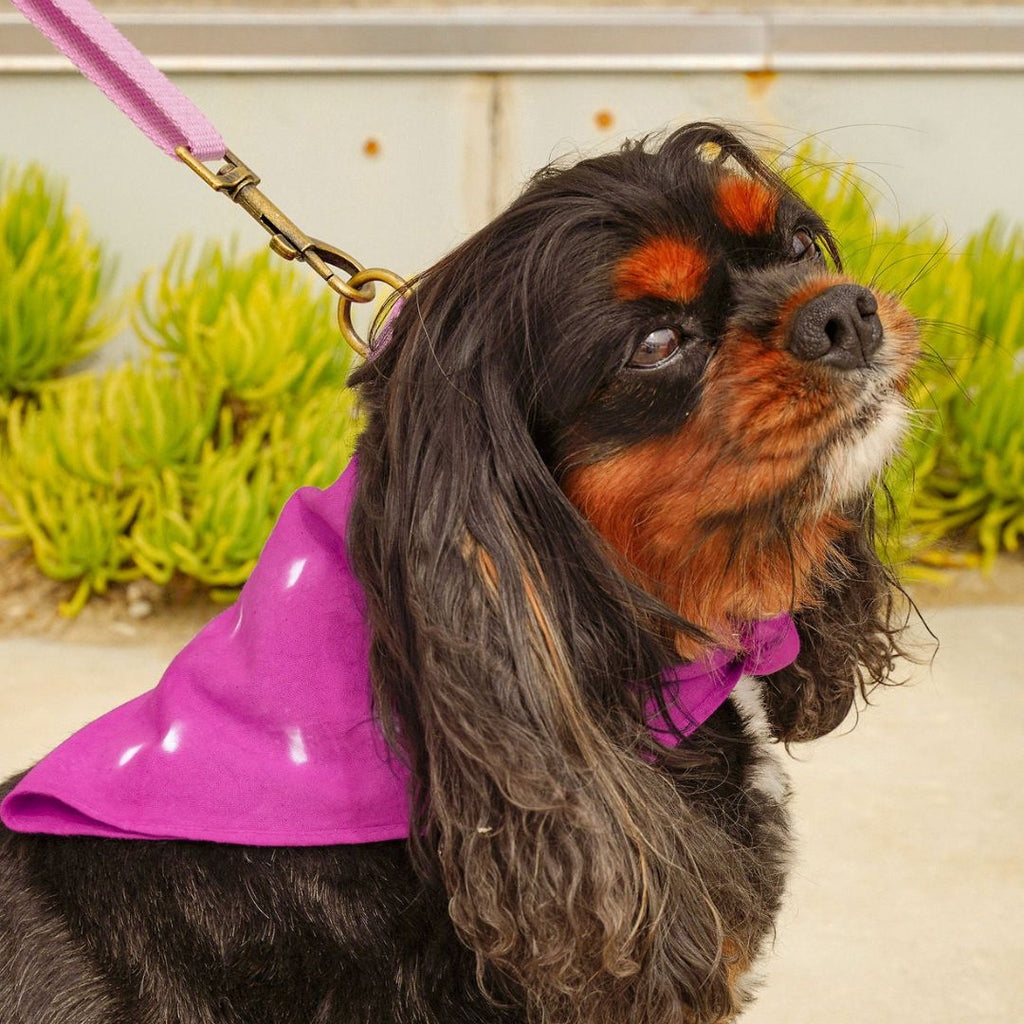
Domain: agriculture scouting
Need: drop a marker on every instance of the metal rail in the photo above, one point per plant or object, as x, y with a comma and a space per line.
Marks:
524, 40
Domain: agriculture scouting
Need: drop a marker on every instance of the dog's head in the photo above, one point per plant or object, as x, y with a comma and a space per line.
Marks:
640, 407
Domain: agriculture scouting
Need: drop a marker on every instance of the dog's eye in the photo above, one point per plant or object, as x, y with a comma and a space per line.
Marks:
804, 245
656, 348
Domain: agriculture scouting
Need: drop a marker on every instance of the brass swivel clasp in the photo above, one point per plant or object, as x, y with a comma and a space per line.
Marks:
357, 284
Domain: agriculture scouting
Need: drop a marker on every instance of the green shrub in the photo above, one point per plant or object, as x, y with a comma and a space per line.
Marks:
212, 526
180, 465
76, 529
250, 327
117, 428
53, 283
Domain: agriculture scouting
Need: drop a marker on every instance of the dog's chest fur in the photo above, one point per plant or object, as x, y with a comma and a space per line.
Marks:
98, 931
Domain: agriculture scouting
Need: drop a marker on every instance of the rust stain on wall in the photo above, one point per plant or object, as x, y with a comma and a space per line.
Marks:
759, 83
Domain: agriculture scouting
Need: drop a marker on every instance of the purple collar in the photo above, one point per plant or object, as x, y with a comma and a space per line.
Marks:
261, 730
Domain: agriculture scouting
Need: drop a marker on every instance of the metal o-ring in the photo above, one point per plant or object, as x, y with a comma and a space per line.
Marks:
358, 283
364, 293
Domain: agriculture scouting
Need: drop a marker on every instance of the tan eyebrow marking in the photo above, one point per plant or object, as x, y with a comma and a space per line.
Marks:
664, 268
746, 206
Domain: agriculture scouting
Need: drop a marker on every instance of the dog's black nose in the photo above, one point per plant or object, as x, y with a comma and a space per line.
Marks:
839, 327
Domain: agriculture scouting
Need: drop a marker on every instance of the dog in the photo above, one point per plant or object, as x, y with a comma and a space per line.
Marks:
641, 408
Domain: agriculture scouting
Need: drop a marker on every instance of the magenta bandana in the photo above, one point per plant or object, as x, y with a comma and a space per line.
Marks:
261, 730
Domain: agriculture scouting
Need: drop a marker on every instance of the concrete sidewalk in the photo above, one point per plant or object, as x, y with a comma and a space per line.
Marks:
906, 904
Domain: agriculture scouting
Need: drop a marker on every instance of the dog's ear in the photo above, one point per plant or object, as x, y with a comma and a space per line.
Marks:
504, 646
849, 639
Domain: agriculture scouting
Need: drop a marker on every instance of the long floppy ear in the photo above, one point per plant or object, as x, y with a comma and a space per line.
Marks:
504, 649
850, 640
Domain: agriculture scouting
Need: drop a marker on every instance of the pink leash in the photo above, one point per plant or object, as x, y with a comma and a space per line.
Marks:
178, 127
147, 96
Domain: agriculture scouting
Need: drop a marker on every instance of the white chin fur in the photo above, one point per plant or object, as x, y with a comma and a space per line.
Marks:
853, 464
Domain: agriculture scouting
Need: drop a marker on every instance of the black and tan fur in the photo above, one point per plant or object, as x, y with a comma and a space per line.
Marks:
542, 526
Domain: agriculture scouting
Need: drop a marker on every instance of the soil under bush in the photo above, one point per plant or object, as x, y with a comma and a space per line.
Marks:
137, 613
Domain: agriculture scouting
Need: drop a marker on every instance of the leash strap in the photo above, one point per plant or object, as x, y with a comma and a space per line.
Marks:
178, 127
157, 106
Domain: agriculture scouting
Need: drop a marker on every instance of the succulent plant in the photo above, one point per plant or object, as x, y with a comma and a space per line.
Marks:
53, 283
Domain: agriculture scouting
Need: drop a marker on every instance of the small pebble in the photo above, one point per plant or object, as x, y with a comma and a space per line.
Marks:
142, 590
